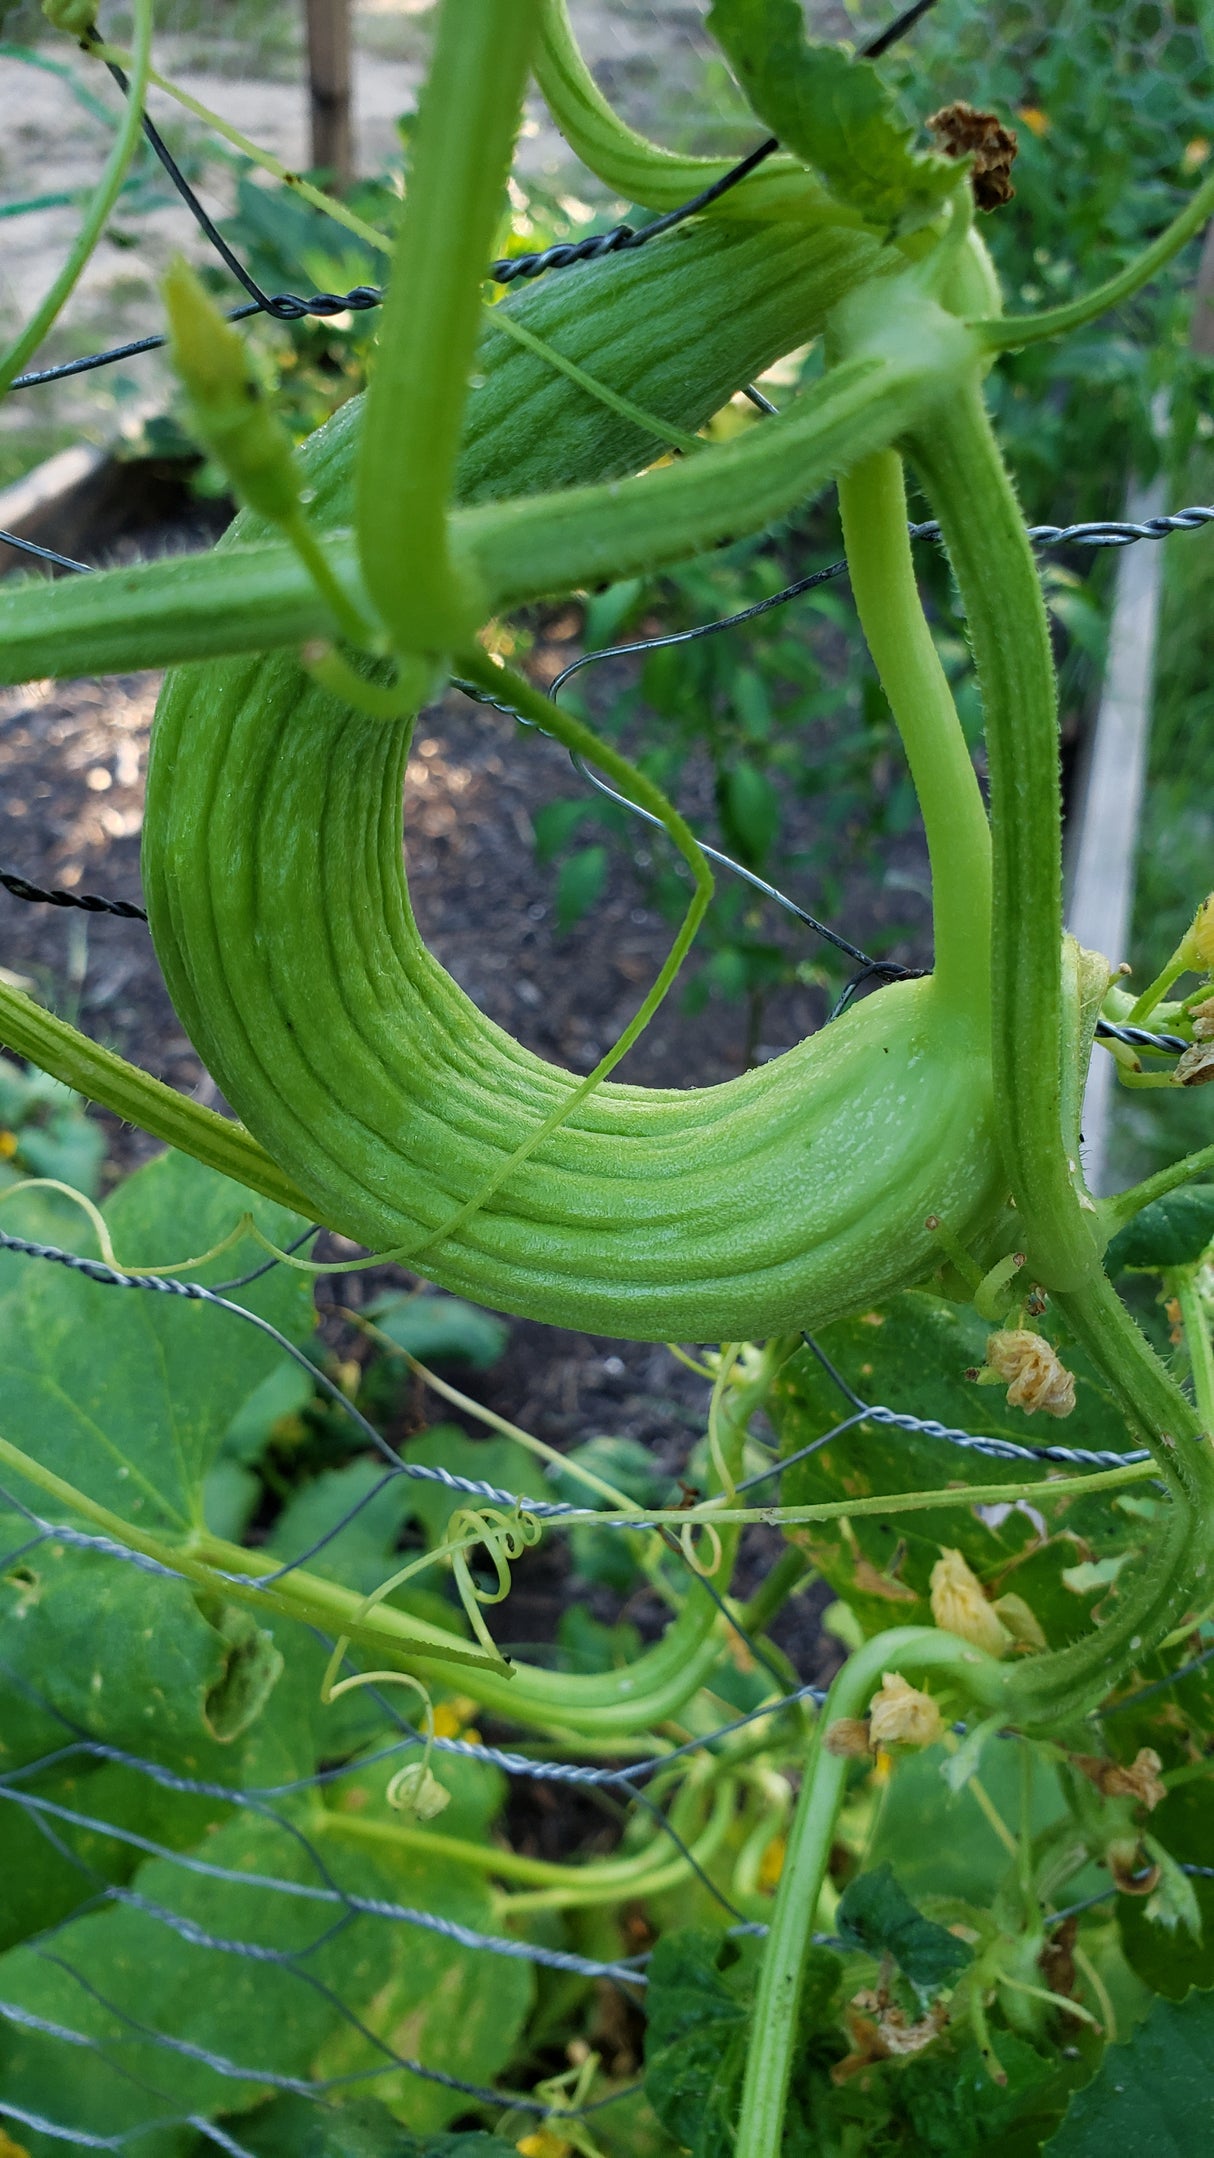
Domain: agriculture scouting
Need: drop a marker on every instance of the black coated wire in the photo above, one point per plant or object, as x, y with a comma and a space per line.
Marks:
87, 902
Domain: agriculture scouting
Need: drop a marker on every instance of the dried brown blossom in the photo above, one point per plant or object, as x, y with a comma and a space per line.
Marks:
1036, 1378
962, 131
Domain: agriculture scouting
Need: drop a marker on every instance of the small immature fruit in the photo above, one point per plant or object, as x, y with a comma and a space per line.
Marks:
227, 405
1197, 949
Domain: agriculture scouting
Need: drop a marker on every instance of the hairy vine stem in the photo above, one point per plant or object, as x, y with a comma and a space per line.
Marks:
906, 1649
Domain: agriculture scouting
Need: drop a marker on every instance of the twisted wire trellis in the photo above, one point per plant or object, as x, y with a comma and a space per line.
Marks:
325, 1892
50, 1814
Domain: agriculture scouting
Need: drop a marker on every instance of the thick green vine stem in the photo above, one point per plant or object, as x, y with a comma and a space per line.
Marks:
641, 171
970, 492
431, 320
908, 1650
1031, 1030
872, 500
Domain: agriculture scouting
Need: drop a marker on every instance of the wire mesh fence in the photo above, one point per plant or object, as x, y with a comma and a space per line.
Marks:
334, 1982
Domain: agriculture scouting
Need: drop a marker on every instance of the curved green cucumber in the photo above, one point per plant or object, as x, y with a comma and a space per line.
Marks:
276, 890
277, 897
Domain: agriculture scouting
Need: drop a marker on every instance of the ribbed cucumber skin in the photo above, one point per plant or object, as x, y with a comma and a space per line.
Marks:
677, 326
276, 890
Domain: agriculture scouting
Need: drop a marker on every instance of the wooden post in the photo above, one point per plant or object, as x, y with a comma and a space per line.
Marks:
329, 89
1105, 839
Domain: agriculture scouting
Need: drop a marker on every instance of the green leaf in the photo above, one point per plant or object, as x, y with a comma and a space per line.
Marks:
695, 2040
580, 884
128, 1394
124, 1657
749, 808
298, 2128
123, 1978
1173, 1231
441, 1329
954, 2109
610, 1556
698, 2005
940, 1841
281, 1396
554, 824
876, 1914
912, 1355
366, 1550
502, 1462
1168, 1957
1153, 2097
834, 112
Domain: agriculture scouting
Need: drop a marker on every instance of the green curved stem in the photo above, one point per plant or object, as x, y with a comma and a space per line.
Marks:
671, 1874
432, 319
299, 1595
972, 495
1123, 1205
1010, 333
640, 170
257, 596
613, 1876
906, 1649
97, 215
872, 500
101, 1076
1196, 1321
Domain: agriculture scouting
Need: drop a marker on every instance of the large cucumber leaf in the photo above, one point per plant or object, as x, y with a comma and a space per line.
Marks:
834, 112
1172, 1231
125, 1393
1154, 2096
130, 1978
1063, 1557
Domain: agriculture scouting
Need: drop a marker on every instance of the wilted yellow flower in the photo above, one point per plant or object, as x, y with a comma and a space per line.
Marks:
1202, 1016
542, 2143
772, 1865
1195, 154
1140, 1781
959, 1606
1034, 119
1196, 1066
902, 1716
1036, 1378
